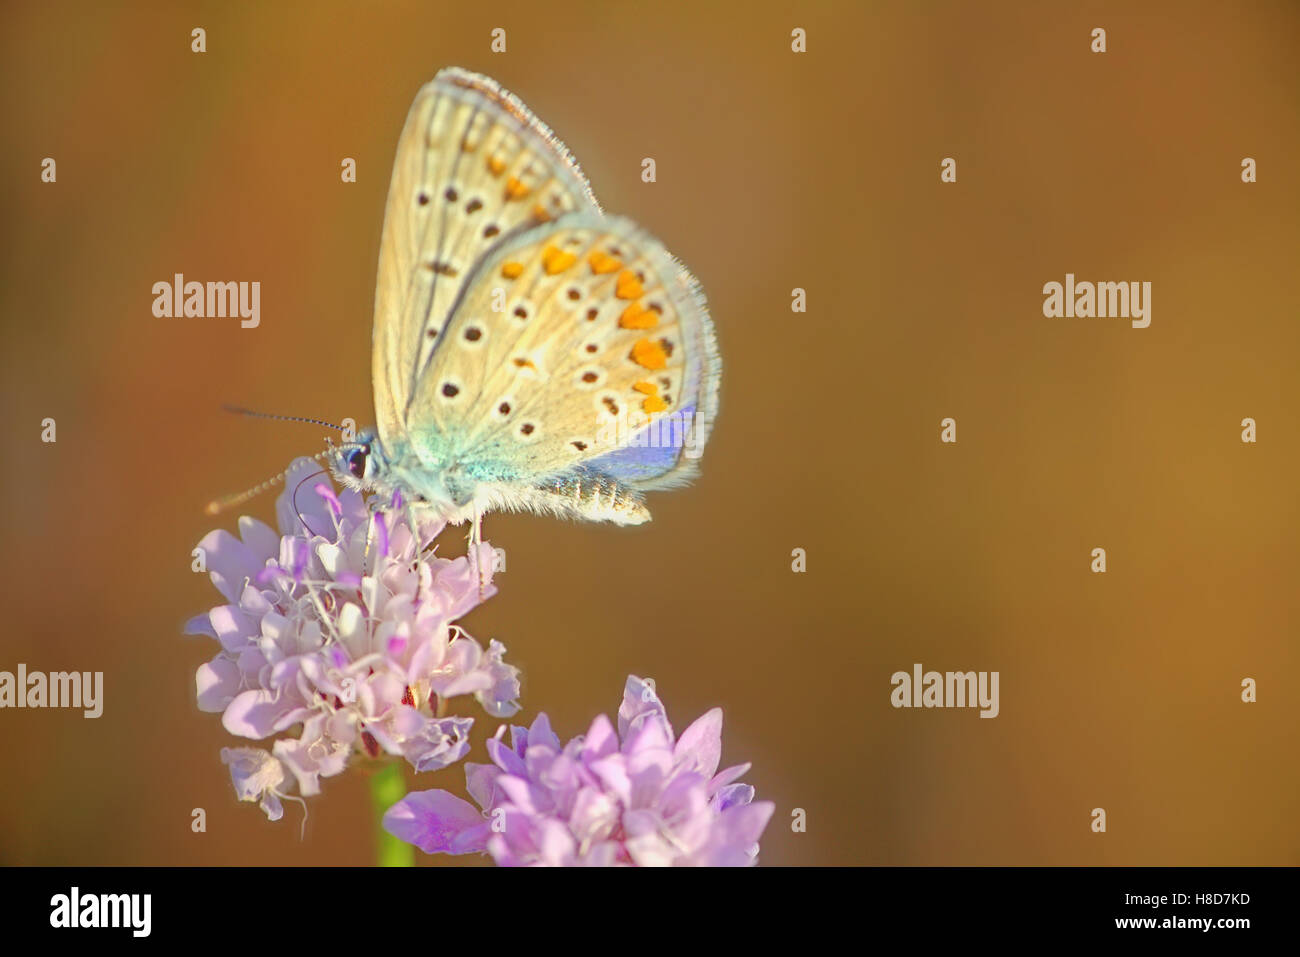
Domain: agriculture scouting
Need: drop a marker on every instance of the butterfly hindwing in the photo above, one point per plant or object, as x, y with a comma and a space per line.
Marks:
579, 347
474, 167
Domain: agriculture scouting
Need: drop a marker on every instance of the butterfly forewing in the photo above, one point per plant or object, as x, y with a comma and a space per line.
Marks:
474, 167
572, 338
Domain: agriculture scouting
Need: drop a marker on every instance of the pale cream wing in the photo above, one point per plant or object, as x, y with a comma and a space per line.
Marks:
571, 338
474, 167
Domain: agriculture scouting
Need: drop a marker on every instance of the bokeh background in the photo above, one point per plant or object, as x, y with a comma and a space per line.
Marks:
775, 170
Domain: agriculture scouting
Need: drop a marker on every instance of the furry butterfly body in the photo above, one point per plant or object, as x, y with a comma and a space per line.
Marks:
529, 352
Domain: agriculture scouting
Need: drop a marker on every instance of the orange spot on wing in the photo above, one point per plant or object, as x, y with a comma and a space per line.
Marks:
496, 166
512, 270
628, 285
555, 260
647, 388
654, 404
540, 213
602, 263
516, 189
634, 317
649, 355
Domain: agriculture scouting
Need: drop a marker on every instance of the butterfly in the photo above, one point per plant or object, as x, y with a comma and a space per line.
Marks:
530, 353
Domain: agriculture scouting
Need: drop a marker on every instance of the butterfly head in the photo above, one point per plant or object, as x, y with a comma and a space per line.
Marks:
360, 464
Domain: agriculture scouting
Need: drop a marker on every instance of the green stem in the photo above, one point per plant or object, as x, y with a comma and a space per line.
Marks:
387, 787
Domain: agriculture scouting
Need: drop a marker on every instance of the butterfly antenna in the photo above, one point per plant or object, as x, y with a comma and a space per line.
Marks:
217, 506
240, 410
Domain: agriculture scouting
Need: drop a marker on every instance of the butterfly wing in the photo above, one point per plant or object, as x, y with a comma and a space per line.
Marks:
474, 168
579, 349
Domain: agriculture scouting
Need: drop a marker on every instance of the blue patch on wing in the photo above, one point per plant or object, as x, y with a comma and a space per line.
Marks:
651, 452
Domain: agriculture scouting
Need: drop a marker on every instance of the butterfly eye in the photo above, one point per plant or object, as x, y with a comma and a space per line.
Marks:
357, 461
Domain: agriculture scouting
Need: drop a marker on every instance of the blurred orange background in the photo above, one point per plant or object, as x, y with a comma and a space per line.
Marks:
776, 170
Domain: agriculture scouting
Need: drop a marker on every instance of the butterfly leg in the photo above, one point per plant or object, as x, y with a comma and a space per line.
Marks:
370, 537
413, 522
475, 539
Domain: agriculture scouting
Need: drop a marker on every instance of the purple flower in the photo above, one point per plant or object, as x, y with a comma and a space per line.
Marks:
257, 777
343, 625
638, 797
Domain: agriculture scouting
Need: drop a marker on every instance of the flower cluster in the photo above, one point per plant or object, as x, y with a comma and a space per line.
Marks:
638, 797
342, 624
